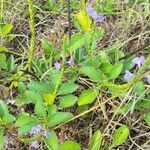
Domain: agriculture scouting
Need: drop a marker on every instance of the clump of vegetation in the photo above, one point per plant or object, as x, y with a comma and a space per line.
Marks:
75, 74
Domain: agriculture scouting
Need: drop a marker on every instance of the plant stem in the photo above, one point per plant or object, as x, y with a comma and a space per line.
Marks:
2, 6
32, 30
69, 19
63, 66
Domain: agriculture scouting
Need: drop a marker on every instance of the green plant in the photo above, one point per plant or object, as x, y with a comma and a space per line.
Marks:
70, 82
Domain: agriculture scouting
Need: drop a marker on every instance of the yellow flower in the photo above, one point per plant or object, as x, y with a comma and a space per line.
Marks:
84, 20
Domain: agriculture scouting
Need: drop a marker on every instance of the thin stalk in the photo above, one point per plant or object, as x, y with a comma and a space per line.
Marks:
62, 68
69, 19
32, 30
2, 9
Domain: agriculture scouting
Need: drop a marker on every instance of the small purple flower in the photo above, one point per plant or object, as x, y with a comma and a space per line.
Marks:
71, 62
57, 65
46, 134
138, 61
128, 75
94, 14
148, 79
35, 144
35, 130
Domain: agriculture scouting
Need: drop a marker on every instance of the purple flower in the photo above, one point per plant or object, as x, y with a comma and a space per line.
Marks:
128, 75
71, 62
35, 130
138, 61
94, 14
57, 65
148, 79
35, 144
46, 134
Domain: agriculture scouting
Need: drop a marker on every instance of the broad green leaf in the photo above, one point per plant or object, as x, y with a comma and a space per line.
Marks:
39, 87
2, 113
58, 118
106, 66
116, 70
26, 128
4, 107
67, 101
87, 97
140, 90
91, 72
6, 29
95, 141
127, 64
32, 96
147, 118
75, 42
11, 63
24, 118
52, 109
53, 78
69, 145
22, 87
67, 88
1, 137
52, 141
8, 118
40, 109
3, 63
84, 20
120, 136
145, 103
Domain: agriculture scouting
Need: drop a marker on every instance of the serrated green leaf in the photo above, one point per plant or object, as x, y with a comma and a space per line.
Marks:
95, 141
69, 145
6, 29
24, 118
40, 109
67, 88
3, 63
115, 71
147, 118
22, 87
52, 141
26, 128
32, 96
2, 113
11, 63
8, 118
52, 109
67, 101
39, 87
92, 73
87, 97
120, 136
75, 42
140, 90
58, 118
